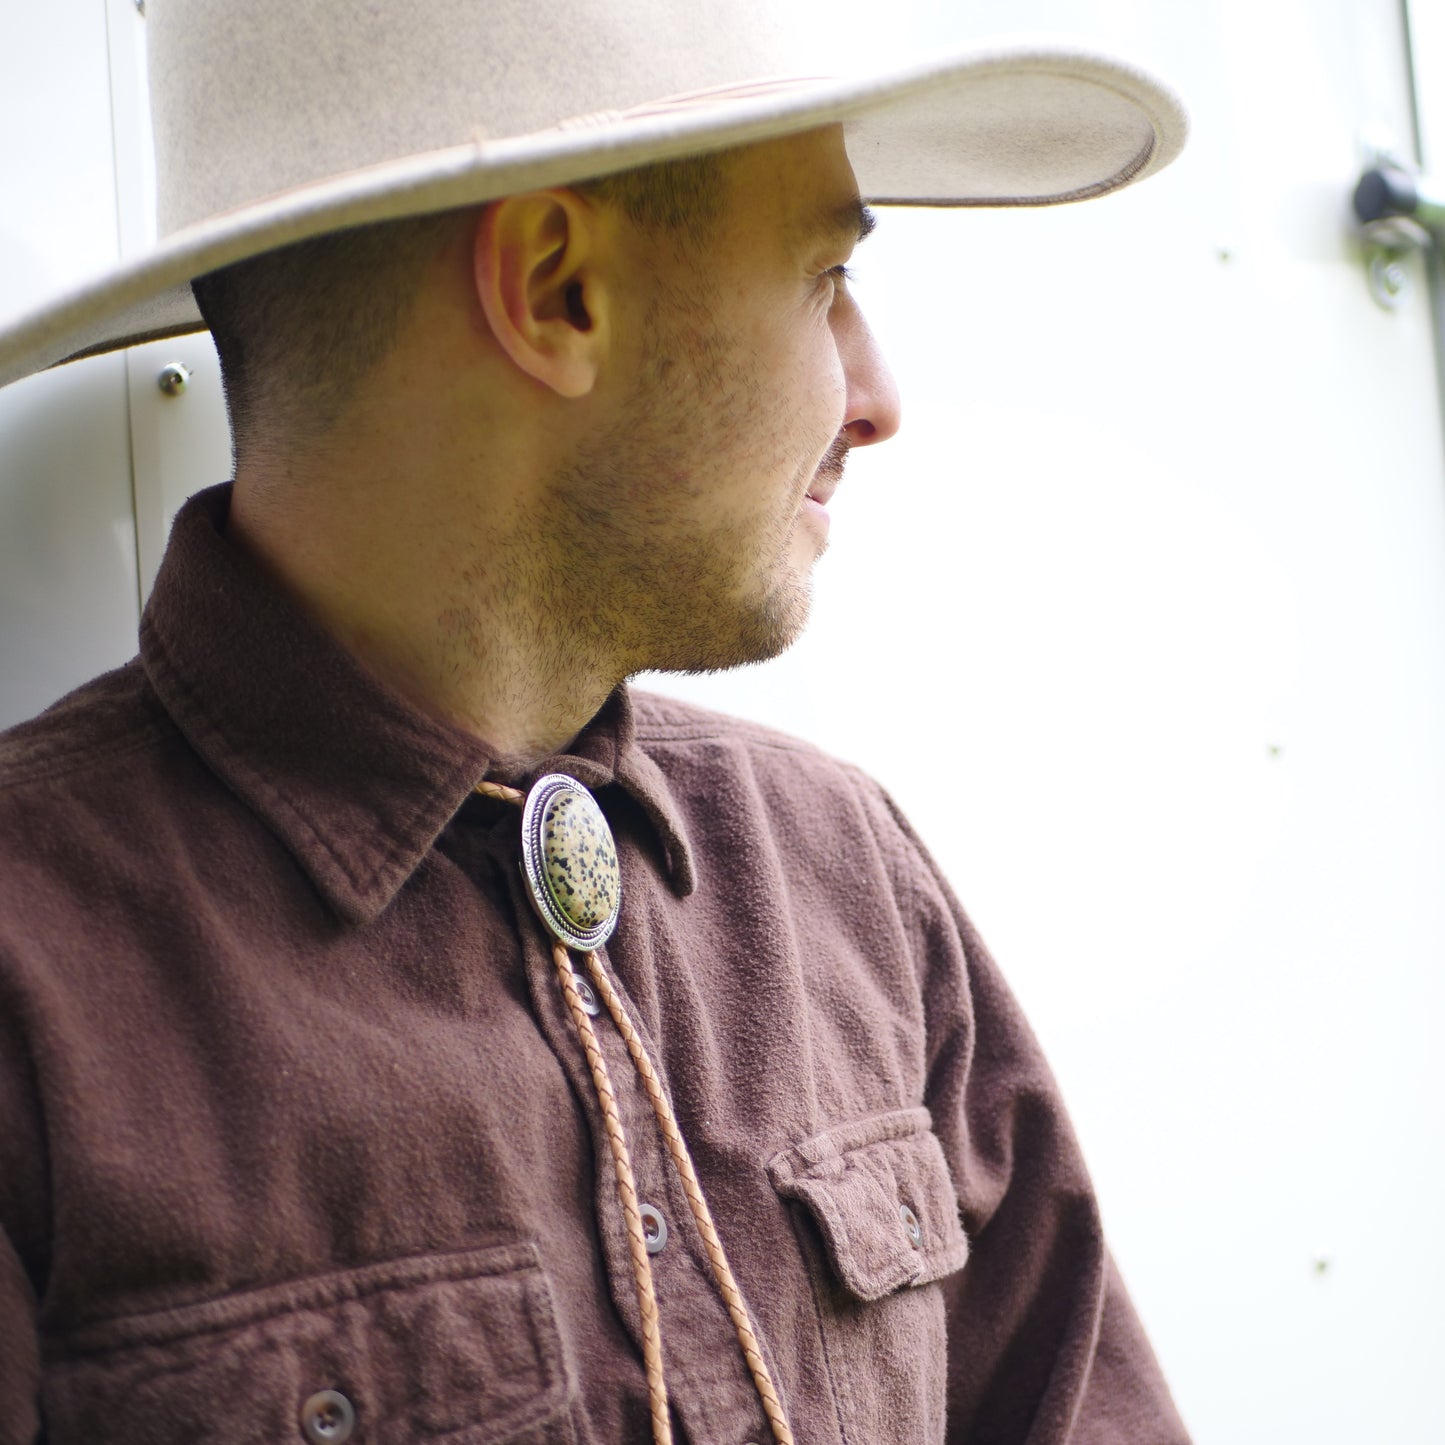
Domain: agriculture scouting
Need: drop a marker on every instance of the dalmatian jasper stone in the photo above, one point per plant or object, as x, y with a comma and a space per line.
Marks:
570, 853
581, 859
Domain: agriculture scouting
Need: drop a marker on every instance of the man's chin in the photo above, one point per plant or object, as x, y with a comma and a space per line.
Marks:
760, 634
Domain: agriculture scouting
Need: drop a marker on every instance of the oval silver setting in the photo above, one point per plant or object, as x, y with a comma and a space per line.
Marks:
550, 798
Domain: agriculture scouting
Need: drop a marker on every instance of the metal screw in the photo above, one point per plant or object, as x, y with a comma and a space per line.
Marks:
174, 378
1387, 280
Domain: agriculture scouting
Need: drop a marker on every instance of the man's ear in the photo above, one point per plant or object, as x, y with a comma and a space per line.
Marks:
534, 266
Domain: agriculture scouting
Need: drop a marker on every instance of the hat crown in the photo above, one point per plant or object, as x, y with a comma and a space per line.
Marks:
261, 98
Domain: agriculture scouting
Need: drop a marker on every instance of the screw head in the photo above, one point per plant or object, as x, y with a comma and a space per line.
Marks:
1389, 279
174, 378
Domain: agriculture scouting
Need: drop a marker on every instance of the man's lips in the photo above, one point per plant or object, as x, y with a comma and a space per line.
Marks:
830, 472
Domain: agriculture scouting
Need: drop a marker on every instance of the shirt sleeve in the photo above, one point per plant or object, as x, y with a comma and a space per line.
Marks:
1045, 1347
22, 1211
19, 1352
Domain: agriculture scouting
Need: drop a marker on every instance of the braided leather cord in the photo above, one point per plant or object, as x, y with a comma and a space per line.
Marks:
702, 1215
627, 1192
501, 794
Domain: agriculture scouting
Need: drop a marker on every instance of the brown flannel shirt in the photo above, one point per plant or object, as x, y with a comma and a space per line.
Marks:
290, 1101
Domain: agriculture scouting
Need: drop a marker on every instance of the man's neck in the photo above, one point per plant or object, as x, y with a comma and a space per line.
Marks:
461, 620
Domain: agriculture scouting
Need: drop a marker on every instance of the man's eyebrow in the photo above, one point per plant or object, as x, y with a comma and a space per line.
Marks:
853, 220
863, 219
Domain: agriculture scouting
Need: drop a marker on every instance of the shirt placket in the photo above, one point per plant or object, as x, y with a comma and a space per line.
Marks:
710, 1389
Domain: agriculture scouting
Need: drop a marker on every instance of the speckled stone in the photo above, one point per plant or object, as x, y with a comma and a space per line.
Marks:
580, 859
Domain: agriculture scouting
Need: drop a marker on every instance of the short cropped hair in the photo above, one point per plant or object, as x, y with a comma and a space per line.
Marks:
297, 329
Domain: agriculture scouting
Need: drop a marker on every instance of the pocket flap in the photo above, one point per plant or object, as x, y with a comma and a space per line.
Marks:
880, 1191
461, 1348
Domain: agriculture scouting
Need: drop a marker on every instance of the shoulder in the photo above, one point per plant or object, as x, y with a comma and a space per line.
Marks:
88, 732
774, 822
716, 764
82, 789
667, 719
682, 732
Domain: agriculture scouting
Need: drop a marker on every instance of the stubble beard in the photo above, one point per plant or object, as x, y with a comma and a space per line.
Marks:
636, 578
631, 586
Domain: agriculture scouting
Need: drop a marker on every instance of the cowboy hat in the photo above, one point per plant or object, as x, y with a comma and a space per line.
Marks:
277, 120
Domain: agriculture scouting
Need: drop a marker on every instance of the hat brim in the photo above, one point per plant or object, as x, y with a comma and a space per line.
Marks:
1023, 124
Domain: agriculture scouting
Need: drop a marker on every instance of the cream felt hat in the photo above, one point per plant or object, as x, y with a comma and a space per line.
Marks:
276, 120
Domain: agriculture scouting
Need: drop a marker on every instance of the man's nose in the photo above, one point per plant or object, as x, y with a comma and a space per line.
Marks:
873, 409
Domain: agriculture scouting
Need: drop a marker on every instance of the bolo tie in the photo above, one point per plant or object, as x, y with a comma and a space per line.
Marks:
569, 862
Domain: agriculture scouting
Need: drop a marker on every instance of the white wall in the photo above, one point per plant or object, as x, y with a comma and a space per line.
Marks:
68, 598
1151, 587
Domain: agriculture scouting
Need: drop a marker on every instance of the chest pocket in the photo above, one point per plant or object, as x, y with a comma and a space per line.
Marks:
878, 1215
461, 1349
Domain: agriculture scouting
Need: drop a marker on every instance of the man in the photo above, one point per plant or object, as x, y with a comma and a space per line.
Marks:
327, 1109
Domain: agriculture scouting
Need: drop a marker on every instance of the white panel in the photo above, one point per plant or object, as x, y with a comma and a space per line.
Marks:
181, 443
130, 116
58, 175
68, 591
1427, 34
68, 607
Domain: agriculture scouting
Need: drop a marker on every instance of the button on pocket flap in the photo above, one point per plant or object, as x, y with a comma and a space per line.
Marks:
456, 1347
880, 1192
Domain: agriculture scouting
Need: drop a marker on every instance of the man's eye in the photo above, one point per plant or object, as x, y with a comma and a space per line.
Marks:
841, 272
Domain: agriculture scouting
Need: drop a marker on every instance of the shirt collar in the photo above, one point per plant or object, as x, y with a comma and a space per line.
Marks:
353, 779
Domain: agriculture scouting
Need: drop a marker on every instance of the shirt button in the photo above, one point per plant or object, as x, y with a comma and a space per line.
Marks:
327, 1418
586, 997
911, 1224
654, 1229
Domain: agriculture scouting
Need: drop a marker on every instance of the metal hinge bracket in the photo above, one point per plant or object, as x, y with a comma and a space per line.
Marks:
1400, 212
